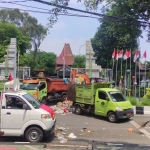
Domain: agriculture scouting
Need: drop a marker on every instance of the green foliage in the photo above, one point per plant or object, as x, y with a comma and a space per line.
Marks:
145, 102
8, 31
47, 61
44, 60
27, 24
79, 61
147, 95
132, 100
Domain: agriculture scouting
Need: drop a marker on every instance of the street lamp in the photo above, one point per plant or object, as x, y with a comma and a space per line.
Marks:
80, 48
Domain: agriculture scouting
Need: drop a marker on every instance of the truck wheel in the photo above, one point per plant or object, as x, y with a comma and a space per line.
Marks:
63, 98
78, 110
34, 134
44, 100
112, 117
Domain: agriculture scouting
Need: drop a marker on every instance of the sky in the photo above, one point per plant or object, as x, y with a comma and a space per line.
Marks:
73, 30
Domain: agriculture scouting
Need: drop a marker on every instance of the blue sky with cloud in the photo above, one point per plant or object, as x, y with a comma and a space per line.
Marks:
73, 30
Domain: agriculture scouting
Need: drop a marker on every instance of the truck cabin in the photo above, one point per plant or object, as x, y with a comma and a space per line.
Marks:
30, 85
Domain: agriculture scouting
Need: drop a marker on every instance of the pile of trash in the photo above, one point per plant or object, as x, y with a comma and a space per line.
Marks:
61, 135
64, 107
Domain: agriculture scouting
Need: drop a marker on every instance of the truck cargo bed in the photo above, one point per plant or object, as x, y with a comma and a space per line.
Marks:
84, 93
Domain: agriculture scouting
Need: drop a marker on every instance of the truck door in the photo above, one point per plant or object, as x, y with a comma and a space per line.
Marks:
101, 103
42, 90
14, 116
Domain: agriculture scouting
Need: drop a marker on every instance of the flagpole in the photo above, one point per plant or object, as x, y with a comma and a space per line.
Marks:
121, 71
145, 75
113, 64
135, 81
139, 80
116, 67
64, 63
130, 69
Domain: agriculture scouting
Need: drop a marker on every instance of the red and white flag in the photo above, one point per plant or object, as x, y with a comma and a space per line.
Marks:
120, 54
117, 55
145, 55
136, 56
126, 55
114, 54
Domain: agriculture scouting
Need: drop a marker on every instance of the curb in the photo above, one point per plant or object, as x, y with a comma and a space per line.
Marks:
145, 110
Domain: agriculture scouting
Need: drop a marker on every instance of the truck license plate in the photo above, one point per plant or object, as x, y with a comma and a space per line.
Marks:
128, 115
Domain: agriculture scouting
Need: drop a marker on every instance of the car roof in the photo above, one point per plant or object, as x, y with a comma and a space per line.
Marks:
10, 92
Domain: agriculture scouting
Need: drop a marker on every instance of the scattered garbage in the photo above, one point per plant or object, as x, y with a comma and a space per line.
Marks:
71, 135
85, 129
130, 130
63, 107
61, 138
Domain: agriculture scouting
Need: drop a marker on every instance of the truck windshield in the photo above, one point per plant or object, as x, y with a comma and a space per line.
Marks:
32, 101
29, 86
117, 96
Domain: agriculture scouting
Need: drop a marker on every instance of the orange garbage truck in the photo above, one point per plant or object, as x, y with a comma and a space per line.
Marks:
46, 89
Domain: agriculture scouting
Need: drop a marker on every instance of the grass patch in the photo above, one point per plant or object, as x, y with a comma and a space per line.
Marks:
142, 102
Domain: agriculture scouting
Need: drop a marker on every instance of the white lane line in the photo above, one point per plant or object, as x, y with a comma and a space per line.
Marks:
55, 145
147, 134
114, 144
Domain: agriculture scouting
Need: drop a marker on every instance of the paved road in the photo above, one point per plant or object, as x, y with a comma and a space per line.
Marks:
101, 133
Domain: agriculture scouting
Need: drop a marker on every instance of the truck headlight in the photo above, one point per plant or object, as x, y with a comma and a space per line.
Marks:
46, 116
119, 109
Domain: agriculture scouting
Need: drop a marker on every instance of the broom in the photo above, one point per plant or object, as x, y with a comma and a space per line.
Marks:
144, 124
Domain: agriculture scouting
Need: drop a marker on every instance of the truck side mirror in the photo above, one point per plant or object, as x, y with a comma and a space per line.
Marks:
107, 98
25, 106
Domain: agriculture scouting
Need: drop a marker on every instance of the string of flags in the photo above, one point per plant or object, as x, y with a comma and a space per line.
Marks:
119, 54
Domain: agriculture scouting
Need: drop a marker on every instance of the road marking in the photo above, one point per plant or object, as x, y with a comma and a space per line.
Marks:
147, 134
55, 145
30, 147
22, 142
114, 144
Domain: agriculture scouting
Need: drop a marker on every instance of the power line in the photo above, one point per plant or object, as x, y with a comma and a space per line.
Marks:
97, 14
23, 5
69, 14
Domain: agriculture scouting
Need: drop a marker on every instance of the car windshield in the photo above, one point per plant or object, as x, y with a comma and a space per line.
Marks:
32, 101
117, 96
29, 86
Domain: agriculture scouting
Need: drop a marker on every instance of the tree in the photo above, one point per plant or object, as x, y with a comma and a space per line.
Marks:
8, 31
79, 61
47, 61
28, 25
44, 60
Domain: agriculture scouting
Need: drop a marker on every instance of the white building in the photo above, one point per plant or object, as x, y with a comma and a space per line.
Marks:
9, 65
92, 69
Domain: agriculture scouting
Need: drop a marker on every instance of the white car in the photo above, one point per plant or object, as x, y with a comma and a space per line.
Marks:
22, 115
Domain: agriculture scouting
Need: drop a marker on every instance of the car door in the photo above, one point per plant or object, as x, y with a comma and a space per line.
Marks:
14, 116
42, 90
101, 102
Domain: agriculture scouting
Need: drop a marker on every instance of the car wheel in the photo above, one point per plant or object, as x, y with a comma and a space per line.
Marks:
34, 134
44, 100
112, 117
78, 110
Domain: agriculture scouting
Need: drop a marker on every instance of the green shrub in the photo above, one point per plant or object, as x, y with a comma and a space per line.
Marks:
145, 102
132, 100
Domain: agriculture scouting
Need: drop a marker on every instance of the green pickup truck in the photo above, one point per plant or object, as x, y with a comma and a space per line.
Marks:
101, 100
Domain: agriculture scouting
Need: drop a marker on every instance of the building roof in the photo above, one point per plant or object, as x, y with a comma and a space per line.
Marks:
60, 67
67, 53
